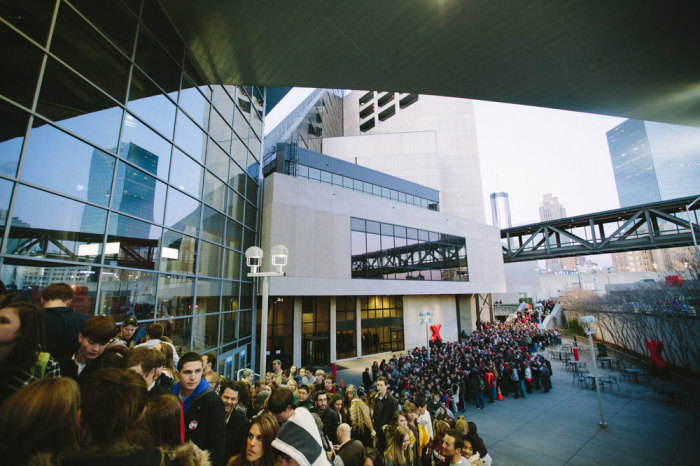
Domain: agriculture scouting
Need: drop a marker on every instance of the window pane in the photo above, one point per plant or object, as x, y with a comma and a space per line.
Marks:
175, 294
229, 299
138, 193
131, 243
245, 324
238, 152
189, 137
250, 216
146, 101
213, 225
186, 174
232, 265
127, 293
205, 332
234, 234
5, 194
194, 104
145, 148
182, 212
11, 137
84, 49
217, 160
24, 59
55, 227
210, 259
59, 161
214, 192
229, 323
33, 276
178, 253
208, 292
180, 332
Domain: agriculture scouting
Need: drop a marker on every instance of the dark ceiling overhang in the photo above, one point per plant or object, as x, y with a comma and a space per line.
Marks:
631, 58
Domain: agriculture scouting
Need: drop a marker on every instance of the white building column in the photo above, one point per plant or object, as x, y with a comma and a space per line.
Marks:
358, 326
332, 331
296, 332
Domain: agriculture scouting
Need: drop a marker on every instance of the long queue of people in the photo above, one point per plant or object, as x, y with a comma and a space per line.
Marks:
77, 390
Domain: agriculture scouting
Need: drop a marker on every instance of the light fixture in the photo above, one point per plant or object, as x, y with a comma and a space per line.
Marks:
588, 323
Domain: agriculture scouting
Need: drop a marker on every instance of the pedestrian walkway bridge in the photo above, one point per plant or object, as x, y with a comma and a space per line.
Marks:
663, 224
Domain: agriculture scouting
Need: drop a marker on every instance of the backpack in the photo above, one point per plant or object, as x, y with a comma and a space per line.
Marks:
39, 368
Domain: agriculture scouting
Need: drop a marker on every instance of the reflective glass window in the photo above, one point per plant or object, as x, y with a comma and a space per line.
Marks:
208, 296
180, 332
155, 61
178, 253
55, 227
237, 177
246, 296
245, 323
186, 174
144, 147
113, 19
232, 264
32, 17
234, 234
250, 216
146, 101
189, 137
254, 147
205, 332
213, 224
236, 204
56, 160
229, 324
239, 153
131, 242
125, 293
32, 276
210, 259
175, 296
136, 192
73, 104
217, 160
11, 137
229, 295
5, 194
214, 192
85, 50
193, 103
182, 212
326, 177
24, 59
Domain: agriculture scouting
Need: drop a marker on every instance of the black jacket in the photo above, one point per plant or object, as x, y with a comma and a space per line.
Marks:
236, 431
205, 421
62, 328
383, 411
331, 421
352, 453
106, 360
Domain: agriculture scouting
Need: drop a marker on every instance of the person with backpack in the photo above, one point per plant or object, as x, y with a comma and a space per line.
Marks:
22, 338
476, 382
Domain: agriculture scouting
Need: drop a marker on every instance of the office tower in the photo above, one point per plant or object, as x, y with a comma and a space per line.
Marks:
653, 162
551, 209
425, 139
500, 210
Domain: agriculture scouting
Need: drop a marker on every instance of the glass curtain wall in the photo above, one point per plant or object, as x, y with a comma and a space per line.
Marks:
315, 330
345, 327
382, 324
123, 173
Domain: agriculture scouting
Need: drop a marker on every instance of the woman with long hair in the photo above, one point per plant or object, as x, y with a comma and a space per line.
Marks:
40, 419
258, 450
113, 401
433, 452
22, 340
163, 420
398, 449
168, 374
361, 422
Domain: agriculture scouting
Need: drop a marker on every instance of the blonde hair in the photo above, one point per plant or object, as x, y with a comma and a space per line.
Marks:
360, 417
461, 425
394, 451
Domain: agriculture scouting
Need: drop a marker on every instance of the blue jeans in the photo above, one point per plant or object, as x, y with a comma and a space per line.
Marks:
521, 387
479, 400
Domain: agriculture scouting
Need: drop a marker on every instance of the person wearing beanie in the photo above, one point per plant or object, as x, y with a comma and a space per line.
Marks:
299, 441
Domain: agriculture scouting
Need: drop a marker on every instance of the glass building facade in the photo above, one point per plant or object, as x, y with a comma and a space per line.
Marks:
124, 174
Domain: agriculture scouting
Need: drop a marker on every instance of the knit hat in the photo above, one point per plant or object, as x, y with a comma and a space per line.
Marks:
299, 438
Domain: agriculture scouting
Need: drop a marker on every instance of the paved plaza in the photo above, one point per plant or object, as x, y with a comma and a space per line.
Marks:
562, 427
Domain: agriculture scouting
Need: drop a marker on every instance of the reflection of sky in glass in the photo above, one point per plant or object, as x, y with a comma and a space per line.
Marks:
186, 174
182, 212
101, 127
157, 111
140, 135
190, 137
60, 162
9, 154
192, 102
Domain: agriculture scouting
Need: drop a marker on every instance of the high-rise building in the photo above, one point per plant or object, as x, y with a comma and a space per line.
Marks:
500, 210
551, 209
125, 173
428, 140
653, 162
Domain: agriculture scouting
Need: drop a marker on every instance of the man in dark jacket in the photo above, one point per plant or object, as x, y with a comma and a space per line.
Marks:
62, 324
330, 417
384, 407
234, 395
205, 423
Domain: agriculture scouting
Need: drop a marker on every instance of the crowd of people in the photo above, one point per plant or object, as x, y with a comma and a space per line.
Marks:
77, 390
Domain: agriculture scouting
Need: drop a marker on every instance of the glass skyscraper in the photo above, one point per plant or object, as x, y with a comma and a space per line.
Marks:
123, 173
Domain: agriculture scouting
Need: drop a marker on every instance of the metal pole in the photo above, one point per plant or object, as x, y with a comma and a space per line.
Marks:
263, 326
427, 337
597, 385
692, 229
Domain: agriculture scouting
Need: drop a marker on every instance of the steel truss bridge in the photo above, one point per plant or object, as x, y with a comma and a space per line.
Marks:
659, 225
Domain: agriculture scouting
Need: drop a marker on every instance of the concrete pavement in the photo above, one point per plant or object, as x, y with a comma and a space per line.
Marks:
562, 427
